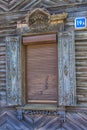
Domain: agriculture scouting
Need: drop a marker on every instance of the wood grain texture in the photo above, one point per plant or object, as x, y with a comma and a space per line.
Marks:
41, 72
23, 5
73, 121
3, 5
39, 39
2, 72
66, 63
12, 5
81, 71
13, 76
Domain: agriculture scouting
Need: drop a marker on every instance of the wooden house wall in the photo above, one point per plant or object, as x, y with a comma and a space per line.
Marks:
74, 118
81, 67
16, 12
74, 121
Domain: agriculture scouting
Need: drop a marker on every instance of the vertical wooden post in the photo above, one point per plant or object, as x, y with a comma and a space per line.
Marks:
66, 63
13, 75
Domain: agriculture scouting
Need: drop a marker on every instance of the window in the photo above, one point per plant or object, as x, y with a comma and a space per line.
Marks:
38, 54
41, 68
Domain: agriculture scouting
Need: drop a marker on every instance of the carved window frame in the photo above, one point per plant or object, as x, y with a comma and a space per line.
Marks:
66, 50
66, 66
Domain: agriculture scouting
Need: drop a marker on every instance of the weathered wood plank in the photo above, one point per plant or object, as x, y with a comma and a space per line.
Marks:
66, 68
12, 5
2, 72
81, 71
75, 119
3, 6
13, 79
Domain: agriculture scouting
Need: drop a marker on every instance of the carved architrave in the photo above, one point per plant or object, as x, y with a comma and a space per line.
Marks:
67, 79
13, 76
60, 113
38, 19
58, 18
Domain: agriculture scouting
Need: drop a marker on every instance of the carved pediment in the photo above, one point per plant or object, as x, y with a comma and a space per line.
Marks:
40, 19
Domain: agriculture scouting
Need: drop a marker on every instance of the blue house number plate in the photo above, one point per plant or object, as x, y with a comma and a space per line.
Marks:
80, 23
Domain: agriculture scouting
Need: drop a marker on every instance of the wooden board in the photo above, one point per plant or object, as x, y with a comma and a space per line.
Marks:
81, 71
66, 64
2, 72
35, 39
13, 71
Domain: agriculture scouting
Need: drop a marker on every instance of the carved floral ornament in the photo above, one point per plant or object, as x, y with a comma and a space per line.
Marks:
40, 19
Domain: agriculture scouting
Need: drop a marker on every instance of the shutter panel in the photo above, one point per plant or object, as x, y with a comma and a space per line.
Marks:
81, 71
41, 73
13, 78
66, 63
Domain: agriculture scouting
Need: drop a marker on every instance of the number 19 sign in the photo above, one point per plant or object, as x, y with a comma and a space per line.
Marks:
80, 23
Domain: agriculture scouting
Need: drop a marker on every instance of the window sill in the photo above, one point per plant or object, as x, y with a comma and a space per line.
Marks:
39, 107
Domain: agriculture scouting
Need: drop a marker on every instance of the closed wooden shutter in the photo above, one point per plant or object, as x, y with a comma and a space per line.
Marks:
81, 72
41, 73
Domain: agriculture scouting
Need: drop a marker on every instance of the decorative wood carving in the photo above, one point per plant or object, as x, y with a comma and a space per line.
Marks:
13, 78
67, 80
58, 18
40, 20
61, 113
74, 120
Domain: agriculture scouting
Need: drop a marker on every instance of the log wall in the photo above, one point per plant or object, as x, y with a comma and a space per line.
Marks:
2, 72
81, 67
14, 12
